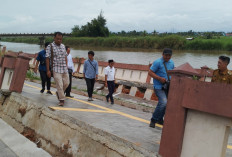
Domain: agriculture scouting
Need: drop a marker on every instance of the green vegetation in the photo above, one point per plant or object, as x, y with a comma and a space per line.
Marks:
176, 42
30, 75
95, 28
96, 34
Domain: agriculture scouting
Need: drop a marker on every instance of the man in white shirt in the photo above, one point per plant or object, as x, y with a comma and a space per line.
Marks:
109, 80
70, 72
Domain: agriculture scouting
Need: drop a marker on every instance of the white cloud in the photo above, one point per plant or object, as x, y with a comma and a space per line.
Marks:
162, 15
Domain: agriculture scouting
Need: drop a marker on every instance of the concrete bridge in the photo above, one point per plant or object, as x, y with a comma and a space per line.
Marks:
41, 36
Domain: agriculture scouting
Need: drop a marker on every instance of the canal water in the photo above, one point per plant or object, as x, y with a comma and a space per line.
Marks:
196, 58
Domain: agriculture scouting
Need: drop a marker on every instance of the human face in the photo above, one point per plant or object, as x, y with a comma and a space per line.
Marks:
111, 64
222, 65
90, 57
167, 57
58, 39
68, 51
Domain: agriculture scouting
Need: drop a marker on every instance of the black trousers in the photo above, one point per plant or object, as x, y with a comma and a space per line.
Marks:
111, 87
90, 86
45, 78
69, 88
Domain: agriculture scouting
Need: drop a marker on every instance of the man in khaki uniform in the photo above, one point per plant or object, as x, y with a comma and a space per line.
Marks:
222, 74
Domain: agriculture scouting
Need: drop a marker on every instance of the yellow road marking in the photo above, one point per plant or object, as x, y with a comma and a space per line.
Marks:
107, 111
82, 101
229, 146
78, 109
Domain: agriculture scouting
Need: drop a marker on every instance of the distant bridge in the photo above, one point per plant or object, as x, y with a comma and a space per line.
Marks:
41, 36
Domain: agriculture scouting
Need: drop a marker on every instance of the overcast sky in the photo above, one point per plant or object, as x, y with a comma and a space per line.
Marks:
46, 16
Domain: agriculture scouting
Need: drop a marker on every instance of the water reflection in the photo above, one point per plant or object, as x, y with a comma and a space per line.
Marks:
195, 58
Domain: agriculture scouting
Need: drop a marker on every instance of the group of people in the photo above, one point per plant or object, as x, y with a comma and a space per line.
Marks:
161, 79
56, 61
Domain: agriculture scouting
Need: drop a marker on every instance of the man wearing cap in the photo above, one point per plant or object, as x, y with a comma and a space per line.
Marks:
109, 80
222, 74
159, 74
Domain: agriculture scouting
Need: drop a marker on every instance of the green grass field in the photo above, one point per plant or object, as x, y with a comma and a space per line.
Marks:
148, 42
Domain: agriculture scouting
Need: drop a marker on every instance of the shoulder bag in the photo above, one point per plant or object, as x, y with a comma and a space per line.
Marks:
93, 66
52, 58
166, 85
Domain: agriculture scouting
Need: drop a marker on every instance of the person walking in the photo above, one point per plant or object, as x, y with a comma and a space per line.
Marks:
161, 79
110, 80
70, 72
90, 73
56, 64
41, 61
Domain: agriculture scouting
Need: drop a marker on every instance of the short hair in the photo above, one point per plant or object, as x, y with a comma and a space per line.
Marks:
66, 47
110, 61
58, 33
46, 44
91, 53
225, 59
167, 51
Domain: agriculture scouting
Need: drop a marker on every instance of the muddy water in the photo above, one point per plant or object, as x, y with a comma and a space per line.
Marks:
196, 58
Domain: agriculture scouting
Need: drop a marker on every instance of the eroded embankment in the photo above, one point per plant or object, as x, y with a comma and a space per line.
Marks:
61, 135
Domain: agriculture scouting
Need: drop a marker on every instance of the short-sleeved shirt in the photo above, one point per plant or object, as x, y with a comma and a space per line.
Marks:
224, 77
70, 62
42, 60
110, 72
90, 69
59, 55
159, 69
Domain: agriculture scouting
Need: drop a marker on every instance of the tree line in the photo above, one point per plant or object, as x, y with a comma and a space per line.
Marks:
97, 28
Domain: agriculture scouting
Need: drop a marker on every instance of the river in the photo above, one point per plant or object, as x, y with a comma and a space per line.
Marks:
196, 58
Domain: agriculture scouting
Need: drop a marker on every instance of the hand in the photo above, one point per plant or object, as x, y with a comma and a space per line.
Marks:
105, 84
96, 77
162, 80
35, 70
49, 74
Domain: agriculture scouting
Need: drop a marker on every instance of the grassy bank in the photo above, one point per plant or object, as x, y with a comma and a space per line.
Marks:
148, 42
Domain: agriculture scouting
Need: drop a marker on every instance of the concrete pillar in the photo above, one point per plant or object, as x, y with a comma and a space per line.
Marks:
3, 50
148, 80
205, 135
119, 89
148, 94
198, 117
21, 67
7, 67
133, 91
13, 71
80, 61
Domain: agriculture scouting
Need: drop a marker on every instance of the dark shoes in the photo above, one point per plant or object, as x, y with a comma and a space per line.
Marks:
61, 103
70, 96
161, 122
90, 99
107, 99
49, 92
152, 124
